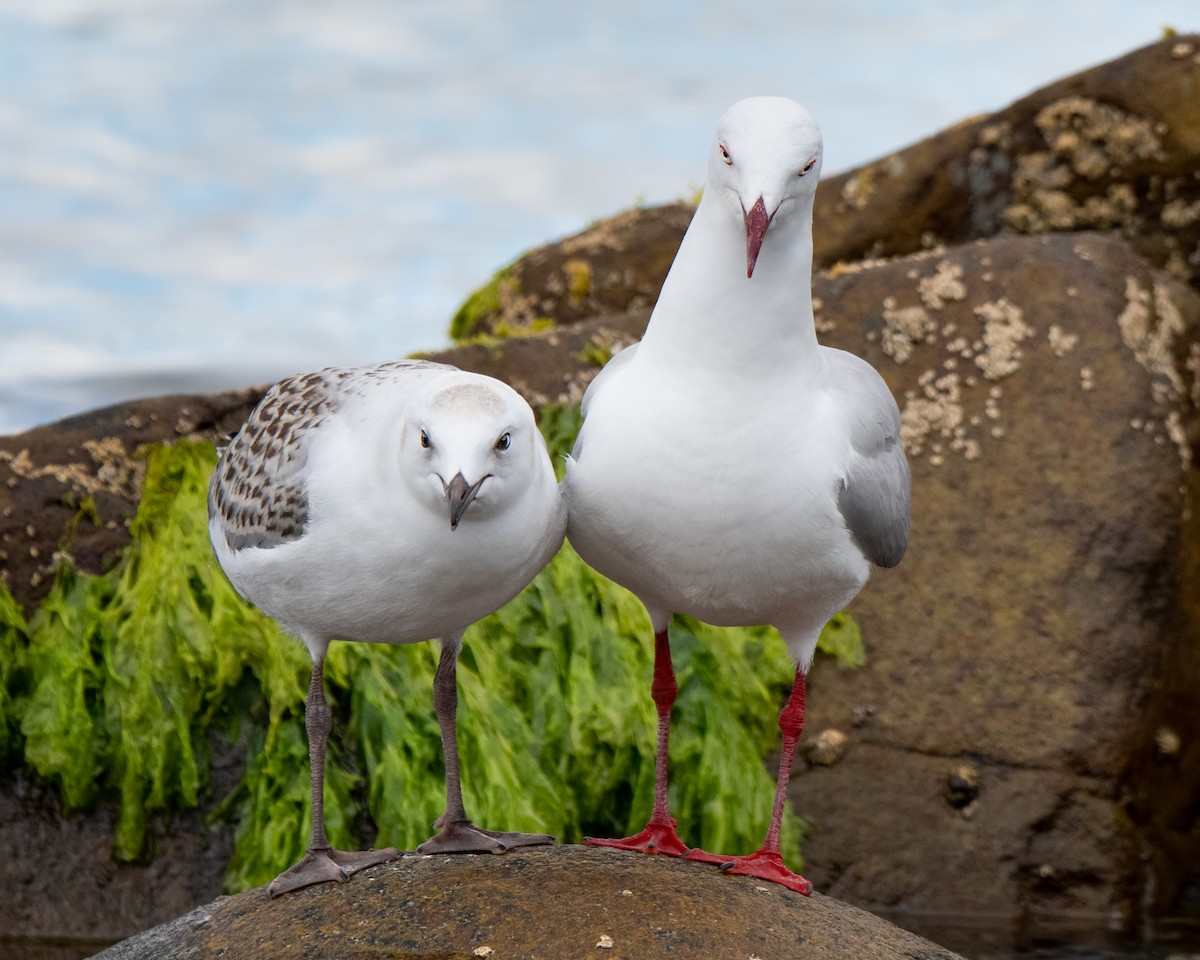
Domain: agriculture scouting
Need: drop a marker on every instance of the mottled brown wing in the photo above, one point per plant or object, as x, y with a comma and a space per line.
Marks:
257, 489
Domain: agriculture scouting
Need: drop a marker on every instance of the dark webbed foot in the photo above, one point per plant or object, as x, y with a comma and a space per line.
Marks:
462, 836
326, 864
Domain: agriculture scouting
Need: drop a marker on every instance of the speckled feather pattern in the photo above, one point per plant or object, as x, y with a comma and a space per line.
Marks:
257, 489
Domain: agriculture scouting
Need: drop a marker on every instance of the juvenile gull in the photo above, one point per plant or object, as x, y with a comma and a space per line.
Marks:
730, 467
385, 504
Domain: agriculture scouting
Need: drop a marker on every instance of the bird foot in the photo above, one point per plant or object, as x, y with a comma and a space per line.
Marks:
325, 864
766, 866
658, 837
462, 836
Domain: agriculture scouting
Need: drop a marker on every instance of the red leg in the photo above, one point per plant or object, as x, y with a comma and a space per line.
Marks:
767, 862
659, 836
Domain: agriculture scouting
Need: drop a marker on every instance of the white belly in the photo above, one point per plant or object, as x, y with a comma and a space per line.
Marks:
359, 577
671, 499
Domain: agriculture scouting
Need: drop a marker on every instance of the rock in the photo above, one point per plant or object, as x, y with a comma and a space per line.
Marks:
615, 266
562, 901
1040, 627
49, 472
1111, 148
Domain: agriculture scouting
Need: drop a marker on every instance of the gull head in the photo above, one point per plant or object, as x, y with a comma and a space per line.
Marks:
765, 161
468, 444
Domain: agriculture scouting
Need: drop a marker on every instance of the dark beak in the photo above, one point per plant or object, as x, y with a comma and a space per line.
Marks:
757, 221
460, 495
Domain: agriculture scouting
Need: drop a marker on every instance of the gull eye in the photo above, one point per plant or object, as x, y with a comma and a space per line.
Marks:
504, 442
425, 440
725, 154
808, 166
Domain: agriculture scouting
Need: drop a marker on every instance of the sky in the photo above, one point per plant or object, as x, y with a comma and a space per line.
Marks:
205, 194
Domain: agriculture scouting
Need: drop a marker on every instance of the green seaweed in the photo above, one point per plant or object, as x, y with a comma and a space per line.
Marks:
480, 305
60, 718
120, 685
14, 638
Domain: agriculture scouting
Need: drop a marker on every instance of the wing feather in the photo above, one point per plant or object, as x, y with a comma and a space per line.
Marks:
258, 491
875, 497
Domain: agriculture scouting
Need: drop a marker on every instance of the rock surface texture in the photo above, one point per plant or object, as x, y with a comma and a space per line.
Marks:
553, 902
1024, 739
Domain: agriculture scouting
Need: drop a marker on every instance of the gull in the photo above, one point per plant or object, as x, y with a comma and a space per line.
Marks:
385, 504
729, 467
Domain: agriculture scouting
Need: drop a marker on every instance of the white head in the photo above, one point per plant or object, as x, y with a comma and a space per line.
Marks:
765, 162
469, 441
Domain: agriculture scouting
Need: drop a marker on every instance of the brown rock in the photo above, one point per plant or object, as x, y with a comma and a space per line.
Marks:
1037, 625
551, 902
617, 265
79, 480
1111, 148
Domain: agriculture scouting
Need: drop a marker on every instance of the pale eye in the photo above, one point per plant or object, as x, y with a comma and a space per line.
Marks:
504, 442
424, 439
808, 166
725, 154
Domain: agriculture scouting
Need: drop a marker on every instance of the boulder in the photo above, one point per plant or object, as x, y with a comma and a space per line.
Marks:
1110, 148
563, 901
1021, 739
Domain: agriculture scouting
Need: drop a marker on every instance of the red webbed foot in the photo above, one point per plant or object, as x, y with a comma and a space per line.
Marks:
767, 866
658, 837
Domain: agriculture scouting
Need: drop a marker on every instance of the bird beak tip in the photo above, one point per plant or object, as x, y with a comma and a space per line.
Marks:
757, 221
460, 495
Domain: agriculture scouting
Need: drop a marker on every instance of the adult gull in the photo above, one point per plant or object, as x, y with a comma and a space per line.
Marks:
385, 504
729, 467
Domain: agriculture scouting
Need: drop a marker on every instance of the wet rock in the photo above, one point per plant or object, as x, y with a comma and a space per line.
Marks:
560, 901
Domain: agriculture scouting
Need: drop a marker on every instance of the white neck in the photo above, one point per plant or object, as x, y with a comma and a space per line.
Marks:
711, 314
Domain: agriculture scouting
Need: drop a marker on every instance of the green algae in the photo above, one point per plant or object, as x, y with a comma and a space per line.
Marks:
120, 686
481, 305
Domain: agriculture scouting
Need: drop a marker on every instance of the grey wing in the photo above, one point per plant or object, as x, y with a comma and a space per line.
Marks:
617, 363
875, 496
